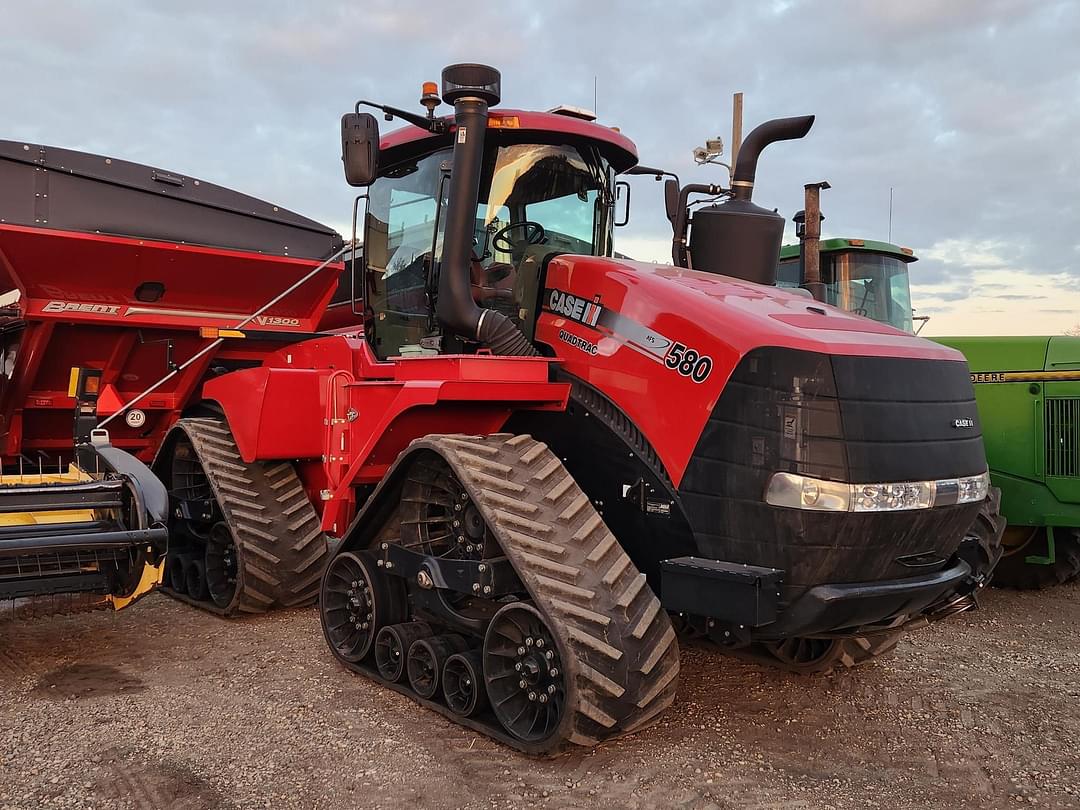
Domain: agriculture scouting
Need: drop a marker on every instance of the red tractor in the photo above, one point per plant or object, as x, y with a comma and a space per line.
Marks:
534, 454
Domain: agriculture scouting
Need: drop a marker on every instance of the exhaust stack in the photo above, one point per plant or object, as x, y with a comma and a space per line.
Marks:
779, 129
472, 89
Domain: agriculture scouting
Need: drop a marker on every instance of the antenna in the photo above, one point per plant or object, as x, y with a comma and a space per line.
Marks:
736, 127
594, 94
890, 213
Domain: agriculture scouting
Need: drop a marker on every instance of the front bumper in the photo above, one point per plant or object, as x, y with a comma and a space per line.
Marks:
747, 600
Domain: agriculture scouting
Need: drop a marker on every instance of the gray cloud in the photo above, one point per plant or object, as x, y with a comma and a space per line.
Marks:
968, 109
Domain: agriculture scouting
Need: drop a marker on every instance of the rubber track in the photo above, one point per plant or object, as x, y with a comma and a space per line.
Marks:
619, 649
282, 549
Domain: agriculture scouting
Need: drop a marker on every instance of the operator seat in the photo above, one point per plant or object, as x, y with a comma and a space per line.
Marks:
493, 286
527, 287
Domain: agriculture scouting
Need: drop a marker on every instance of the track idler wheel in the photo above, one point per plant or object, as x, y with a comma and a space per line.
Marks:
523, 673
427, 658
392, 647
195, 580
177, 569
357, 601
463, 683
221, 565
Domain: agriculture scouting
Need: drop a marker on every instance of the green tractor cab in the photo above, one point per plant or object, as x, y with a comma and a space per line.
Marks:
862, 276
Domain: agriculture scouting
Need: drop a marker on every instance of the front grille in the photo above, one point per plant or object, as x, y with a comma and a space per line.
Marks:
842, 418
1063, 437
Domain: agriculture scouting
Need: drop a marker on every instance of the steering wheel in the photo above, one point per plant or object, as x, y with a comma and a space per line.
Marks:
534, 234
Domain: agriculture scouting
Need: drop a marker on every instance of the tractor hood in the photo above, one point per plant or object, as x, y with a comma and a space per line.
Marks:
663, 342
736, 316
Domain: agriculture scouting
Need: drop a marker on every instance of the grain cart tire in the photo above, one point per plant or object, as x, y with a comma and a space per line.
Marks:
1025, 541
256, 528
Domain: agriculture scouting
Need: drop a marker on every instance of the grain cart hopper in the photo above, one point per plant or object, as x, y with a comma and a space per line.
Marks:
107, 279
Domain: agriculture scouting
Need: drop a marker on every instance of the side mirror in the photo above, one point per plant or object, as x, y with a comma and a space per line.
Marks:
360, 148
622, 192
671, 200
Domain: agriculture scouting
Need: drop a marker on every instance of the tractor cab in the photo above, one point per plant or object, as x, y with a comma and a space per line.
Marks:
544, 185
861, 276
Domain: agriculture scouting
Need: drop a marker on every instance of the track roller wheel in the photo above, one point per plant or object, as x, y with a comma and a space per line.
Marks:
357, 601
392, 647
463, 683
221, 559
426, 660
523, 673
195, 580
177, 571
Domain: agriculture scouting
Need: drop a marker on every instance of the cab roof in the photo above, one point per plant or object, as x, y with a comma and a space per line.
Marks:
863, 245
616, 147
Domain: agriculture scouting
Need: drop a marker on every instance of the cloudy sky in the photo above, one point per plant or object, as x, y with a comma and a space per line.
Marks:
968, 109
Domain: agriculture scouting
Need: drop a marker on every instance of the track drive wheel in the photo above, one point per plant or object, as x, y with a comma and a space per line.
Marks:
356, 602
820, 656
525, 675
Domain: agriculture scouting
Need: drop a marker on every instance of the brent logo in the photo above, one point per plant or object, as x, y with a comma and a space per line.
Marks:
964, 422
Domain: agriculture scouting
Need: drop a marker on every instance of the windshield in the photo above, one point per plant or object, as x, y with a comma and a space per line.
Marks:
868, 284
535, 200
873, 286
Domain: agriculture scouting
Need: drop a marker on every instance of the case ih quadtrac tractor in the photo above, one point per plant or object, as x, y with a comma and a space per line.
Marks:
534, 454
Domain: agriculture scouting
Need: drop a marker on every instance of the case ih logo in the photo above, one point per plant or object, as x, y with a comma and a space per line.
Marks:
574, 308
72, 306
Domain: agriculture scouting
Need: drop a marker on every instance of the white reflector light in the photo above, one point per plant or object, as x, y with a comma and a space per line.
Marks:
802, 492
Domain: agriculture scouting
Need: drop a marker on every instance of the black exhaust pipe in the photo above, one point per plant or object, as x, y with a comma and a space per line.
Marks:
779, 129
471, 89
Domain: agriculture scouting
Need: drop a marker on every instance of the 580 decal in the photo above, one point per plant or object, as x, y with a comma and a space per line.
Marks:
689, 362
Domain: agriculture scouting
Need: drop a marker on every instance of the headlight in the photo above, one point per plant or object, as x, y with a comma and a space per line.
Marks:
802, 492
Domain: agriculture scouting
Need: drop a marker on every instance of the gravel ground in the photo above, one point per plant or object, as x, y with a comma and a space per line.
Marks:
163, 706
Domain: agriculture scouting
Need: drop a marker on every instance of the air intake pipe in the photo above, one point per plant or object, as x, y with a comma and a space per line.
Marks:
779, 129
471, 89
738, 238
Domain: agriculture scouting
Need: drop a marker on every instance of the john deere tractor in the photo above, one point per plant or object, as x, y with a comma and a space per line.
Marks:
1028, 392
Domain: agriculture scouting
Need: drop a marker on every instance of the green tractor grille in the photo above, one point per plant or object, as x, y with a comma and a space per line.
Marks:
1063, 437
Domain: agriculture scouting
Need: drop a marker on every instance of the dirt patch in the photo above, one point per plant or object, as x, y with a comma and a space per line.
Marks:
85, 681
148, 785
192, 711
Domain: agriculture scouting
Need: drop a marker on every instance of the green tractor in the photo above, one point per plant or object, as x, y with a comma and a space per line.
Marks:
859, 275
1028, 393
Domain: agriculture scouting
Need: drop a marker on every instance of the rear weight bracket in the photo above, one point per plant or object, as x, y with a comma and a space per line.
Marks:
485, 578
